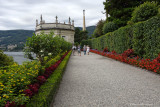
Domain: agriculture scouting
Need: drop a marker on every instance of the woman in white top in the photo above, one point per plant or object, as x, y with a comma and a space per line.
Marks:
88, 49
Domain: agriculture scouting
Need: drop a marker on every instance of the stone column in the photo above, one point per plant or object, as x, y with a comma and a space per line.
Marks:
84, 24
69, 21
41, 19
36, 22
56, 19
72, 22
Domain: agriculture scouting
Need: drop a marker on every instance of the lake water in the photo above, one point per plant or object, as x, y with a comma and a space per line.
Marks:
17, 56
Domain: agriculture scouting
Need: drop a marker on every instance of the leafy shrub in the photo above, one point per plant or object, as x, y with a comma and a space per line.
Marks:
5, 60
109, 27
76, 43
84, 42
144, 11
99, 28
44, 45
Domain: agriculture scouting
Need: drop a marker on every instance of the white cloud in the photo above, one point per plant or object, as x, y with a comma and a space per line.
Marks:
21, 14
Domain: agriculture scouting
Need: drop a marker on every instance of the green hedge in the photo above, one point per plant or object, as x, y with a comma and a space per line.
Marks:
47, 91
145, 11
143, 37
109, 27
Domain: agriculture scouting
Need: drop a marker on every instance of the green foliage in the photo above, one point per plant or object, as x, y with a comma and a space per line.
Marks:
76, 44
84, 35
84, 42
45, 45
47, 91
109, 27
146, 38
52, 61
138, 41
95, 34
99, 29
144, 11
80, 35
90, 30
143, 37
77, 35
120, 11
5, 60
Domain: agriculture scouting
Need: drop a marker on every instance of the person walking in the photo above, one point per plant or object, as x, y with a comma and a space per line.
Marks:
79, 50
73, 49
84, 49
88, 49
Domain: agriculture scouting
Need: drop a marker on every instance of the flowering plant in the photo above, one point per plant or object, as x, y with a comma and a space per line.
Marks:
127, 53
152, 65
113, 52
15, 81
41, 79
105, 50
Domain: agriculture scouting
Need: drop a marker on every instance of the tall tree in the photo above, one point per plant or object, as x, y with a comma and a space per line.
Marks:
77, 35
45, 45
84, 35
99, 29
80, 35
120, 10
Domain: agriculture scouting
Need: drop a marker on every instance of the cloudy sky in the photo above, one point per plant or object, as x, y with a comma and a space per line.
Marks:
21, 14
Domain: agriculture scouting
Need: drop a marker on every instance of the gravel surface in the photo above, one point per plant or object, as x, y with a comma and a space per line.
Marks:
97, 81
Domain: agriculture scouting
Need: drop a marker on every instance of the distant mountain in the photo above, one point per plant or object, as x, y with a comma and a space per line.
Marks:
90, 29
14, 37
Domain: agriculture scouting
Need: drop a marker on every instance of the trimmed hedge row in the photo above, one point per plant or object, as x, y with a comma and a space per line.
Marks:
143, 37
47, 91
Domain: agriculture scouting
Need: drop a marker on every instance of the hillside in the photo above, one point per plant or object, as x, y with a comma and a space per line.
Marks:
90, 29
10, 38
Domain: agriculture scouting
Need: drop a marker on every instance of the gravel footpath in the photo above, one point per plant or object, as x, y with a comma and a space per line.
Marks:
97, 81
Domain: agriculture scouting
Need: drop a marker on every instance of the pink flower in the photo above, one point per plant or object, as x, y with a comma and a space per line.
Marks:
28, 92
41, 79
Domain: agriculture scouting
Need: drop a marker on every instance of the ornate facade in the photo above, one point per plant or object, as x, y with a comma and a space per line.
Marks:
64, 30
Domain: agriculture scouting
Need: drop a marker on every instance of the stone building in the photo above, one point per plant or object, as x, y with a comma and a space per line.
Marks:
64, 30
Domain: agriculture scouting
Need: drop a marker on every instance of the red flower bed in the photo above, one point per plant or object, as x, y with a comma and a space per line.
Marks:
152, 65
33, 88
